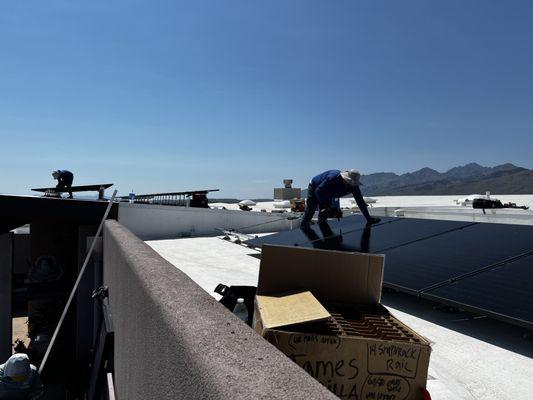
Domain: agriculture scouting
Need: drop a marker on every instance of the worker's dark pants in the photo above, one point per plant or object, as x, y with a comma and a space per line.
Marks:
311, 205
65, 184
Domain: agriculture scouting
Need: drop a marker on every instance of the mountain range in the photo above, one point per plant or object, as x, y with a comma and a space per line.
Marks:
467, 179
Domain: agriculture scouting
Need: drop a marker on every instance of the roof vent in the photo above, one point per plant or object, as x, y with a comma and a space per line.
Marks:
287, 192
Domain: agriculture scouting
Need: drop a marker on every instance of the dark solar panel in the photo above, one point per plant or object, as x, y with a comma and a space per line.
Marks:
480, 266
504, 292
82, 188
380, 238
390, 232
419, 265
297, 237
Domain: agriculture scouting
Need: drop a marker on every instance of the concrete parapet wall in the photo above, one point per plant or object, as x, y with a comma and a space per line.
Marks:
174, 341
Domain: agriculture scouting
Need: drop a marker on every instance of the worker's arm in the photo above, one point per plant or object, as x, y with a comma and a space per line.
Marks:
362, 205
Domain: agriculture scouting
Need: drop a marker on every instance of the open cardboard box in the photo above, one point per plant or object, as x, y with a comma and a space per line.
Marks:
321, 308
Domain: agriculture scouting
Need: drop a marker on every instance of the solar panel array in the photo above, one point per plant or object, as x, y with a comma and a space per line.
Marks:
483, 267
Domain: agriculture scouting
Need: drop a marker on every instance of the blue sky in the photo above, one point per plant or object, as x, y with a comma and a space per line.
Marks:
237, 95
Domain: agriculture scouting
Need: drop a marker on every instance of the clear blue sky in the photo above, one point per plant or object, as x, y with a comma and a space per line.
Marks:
176, 95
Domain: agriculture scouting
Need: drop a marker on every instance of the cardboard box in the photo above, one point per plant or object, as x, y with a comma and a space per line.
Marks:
321, 308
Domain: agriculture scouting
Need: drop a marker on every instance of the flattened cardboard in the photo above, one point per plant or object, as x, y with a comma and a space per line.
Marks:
277, 311
332, 276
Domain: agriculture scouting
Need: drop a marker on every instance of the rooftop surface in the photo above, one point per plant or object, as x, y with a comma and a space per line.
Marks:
404, 201
473, 357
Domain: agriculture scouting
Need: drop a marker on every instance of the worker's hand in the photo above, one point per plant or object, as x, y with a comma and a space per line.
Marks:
373, 220
326, 212
336, 213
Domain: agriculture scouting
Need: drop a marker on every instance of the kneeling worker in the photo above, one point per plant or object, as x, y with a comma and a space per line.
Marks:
64, 180
325, 188
19, 379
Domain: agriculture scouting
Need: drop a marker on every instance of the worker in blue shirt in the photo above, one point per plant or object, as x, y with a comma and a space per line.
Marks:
324, 191
64, 180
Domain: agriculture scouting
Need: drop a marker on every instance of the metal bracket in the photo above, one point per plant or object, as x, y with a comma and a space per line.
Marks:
103, 362
101, 293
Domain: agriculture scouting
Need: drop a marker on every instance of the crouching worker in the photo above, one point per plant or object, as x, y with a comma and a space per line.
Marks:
323, 192
19, 379
64, 180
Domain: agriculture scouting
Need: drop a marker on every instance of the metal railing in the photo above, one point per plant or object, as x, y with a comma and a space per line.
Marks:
171, 198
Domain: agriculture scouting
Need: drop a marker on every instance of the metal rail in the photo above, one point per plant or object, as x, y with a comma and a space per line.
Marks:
75, 288
167, 199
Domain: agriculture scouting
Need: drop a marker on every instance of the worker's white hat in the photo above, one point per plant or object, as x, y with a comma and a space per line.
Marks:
351, 177
17, 367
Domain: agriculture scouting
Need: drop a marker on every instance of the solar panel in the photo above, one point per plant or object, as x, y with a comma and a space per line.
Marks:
395, 233
503, 292
420, 265
483, 267
297, 237
82, 188
390, 232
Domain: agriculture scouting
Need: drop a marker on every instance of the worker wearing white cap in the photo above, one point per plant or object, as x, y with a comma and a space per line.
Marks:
19, 379
324, 191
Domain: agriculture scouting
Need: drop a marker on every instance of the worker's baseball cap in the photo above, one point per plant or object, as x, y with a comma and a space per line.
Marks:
351, 177
17, 367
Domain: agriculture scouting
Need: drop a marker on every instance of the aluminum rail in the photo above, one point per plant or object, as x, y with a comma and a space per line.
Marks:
75, 288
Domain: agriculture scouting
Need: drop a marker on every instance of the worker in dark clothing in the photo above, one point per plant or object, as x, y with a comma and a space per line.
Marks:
324, 191
19, 379
64, 180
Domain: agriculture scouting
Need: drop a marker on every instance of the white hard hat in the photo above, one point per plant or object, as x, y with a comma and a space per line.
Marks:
351, 177
17, 367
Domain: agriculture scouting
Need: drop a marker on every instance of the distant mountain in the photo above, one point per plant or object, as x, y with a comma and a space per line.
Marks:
466, 179
467, 171
474, 170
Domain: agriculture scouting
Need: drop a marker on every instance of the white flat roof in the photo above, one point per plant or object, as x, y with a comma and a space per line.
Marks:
440, 201
403, 201
473, 357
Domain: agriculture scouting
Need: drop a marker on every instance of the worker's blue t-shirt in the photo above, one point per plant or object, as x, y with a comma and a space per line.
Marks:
328, 186
65, 173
